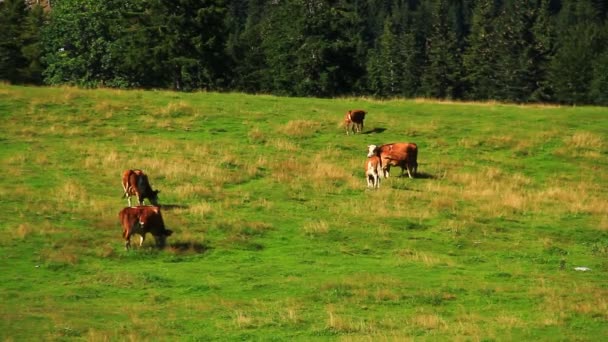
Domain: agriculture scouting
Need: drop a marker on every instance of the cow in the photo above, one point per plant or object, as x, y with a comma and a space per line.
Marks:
373, 169
135, 183
141, 220
404, 155
353, 120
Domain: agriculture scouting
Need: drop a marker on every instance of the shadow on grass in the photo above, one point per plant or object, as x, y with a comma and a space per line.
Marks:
375, 130
169, 207
188, 247
424, 175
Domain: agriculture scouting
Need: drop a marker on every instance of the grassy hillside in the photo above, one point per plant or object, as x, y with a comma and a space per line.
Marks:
276, 236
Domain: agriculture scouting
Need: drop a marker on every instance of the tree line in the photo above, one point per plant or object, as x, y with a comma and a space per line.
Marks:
507, 50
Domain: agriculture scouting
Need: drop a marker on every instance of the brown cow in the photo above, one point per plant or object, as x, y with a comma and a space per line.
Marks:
135, 183
354, 120
141, 220
404, 155
373, 168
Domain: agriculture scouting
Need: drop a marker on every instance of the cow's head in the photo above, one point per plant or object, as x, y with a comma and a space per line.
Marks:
161, 240
371, 150
154, 197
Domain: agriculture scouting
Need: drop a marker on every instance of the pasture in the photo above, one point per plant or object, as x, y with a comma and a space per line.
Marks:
276, 236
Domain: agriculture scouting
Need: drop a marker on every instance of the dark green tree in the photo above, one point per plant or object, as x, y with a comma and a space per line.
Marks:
442, 75
411, 59
250, 66
12, 17
191, 40
580, 41
77, 42
312, 47
544, 47
385, 66
31, 47
480, 58
518, 60
599, 83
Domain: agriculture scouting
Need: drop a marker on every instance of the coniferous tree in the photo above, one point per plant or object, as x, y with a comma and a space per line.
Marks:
386, 66
517, 58
544, 46
480, 58
312, 47
12, 18
31, 45
442, 76
250, 67
190, 46
571, 70
411, 60
599, 83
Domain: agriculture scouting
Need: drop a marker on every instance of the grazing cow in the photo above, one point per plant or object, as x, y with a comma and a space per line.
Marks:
135, 183
354, 120
141, 220
404, 155
373, 169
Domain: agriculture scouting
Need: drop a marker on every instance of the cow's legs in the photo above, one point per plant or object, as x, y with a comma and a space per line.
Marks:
142, 238
129, 200
409, 174
386, 171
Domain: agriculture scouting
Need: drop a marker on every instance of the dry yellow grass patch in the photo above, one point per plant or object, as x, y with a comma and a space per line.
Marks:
299, 128
257, 136
242, 320
428, 259
582, 144
428, 321
63, 255
321, 172
585, 140
493, 191
283, 145
23, 230
178, 108
339, 323
71, 191
201, 209
316, 227
603, 225
582, 197
106, 108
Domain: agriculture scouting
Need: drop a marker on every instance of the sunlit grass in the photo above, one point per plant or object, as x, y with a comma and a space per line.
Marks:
276, 235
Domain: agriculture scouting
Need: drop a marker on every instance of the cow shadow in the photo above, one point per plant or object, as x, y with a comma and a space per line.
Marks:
188, 247
375, 130
424, 175
169, 207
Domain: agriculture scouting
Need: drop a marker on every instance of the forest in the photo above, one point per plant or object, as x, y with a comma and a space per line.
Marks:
521, 51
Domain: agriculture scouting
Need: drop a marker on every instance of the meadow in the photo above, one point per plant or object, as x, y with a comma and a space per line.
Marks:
276, 236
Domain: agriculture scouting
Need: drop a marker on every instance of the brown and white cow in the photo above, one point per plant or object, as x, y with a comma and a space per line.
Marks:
404, 155
141, 220
373, 169
135, 183
353, 120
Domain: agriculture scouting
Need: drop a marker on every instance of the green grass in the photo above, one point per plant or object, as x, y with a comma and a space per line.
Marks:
276, 236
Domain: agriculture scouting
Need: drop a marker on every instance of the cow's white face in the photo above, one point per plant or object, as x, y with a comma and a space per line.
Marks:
371, 150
